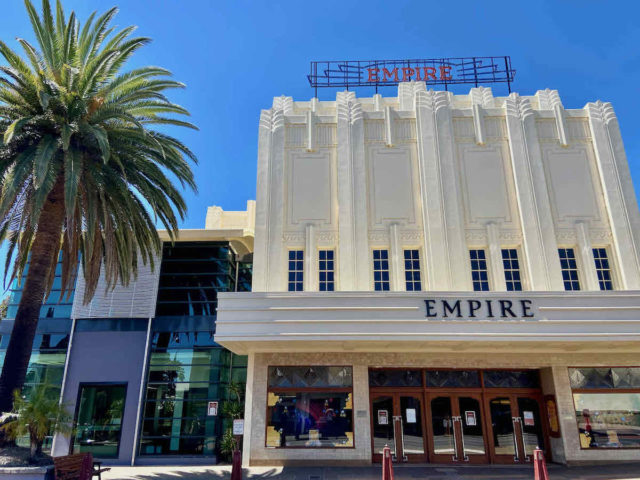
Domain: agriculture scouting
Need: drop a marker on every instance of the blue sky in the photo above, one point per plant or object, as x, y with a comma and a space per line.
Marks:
235, 56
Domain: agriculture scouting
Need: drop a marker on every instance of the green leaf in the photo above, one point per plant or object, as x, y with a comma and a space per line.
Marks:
14, 128
42, 161
66, 133
44, 98
102, 138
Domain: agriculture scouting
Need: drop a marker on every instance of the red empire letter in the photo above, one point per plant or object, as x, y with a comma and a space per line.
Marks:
373, 74
445, 73
418, 77
429, 72
386, 73
407, 72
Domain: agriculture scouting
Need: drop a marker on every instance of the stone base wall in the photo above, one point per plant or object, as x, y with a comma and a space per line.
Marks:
554, 377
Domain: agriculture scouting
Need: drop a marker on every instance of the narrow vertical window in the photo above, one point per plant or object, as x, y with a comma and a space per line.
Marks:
479, 274
412, 270
381, 270
296, 270
603, 268
326, 281
569, 268
511, 269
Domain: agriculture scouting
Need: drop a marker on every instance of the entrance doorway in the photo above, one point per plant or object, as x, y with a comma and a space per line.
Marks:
398, 421
516, 427
456, 428
457, 417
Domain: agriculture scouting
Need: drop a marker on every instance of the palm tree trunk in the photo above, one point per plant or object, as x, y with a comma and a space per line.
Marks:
43, 259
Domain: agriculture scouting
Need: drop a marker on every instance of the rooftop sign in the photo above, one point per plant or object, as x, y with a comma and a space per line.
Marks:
433, 71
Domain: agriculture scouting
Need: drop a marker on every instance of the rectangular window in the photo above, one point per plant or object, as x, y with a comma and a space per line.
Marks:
607, 406
511, 269
381, 270
412, 270
479, 274
326, 271
310, 407
569, 269
603, 268
98, 420
296, 270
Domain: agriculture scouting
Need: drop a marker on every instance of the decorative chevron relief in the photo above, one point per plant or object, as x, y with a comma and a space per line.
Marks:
433, 100
293, 238
518, 106
481, 96
602, 111
283, 103
271, 119
327, 238
348, 108
566, 236
548, 99
410, 236
378, 237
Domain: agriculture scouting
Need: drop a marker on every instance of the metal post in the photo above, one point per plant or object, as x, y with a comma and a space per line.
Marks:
64, 378
141, 395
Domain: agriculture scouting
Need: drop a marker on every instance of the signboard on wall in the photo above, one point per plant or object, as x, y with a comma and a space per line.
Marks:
212, 409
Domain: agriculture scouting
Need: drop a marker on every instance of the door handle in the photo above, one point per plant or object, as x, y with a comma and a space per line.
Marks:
398, 419
516, 422
458, 419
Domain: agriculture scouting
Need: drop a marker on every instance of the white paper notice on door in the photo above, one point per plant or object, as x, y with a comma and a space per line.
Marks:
528, 418
411, 415
470, 417
383, 417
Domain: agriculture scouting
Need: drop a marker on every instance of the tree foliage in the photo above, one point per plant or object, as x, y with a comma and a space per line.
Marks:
70, 116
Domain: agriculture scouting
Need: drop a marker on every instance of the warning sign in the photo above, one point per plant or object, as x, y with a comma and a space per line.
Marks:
212, 409
383, 417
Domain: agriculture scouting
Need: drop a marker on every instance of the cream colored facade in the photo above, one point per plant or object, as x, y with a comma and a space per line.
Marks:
442, 174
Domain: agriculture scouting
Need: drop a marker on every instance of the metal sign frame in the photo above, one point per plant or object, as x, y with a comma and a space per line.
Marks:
432, 71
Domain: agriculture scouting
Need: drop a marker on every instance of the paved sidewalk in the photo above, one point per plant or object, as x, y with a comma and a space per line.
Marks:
404, 472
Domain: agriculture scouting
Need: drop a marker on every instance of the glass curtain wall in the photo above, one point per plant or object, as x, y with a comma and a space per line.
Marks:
187, 368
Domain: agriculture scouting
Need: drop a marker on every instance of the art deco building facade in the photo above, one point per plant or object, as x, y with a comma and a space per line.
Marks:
453, 275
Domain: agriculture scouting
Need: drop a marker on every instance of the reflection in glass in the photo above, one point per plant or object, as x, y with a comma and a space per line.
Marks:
412, 425
442, 426
502, 426
471, 426
310, 419
382, 412
531, 424
608, 420
99, 420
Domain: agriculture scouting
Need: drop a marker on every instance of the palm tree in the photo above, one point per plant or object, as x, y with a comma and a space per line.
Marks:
83, 173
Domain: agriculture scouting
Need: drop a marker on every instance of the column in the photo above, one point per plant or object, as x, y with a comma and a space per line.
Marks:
585, 254
498, 282
445, 247
618, 191
248, 410
353, 267
397, 260
539, 241
310, 260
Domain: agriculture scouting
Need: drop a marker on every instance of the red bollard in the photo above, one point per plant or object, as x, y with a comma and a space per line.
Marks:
236, 468
539, 465
387, 466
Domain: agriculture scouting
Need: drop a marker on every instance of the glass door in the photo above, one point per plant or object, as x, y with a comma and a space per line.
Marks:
98, 421
456, 428
516, 427
398, 421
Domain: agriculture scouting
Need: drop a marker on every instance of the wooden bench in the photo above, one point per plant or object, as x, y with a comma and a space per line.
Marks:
79, 466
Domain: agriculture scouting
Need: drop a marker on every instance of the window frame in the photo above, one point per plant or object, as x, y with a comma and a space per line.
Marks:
579, 267
373, 271
486, 269
612, 271
521, 271
289, 271
275, 390
334, 260
601, 391
419, 269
